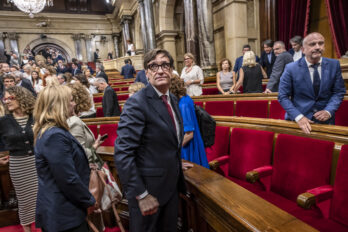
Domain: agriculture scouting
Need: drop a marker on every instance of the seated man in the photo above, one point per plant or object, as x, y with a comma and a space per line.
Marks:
127, 70
100, 72
110, 101
141, 77
312, 88
20, 81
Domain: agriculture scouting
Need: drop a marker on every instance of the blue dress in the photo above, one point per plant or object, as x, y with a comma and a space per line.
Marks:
194, 150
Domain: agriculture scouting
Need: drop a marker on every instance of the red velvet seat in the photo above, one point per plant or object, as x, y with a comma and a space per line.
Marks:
341, 115
122, 97
116, 89
276, 111
97, 99
100, 112
257, 109
94, 129
124, 88
220, 147
221, 108
199, 104
210, 91
111, 130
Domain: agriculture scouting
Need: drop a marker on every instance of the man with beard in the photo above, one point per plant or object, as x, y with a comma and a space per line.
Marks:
312, 88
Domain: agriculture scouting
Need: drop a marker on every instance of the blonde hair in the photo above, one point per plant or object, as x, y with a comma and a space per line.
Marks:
52, 109
2, 109
190, 55
135, 87
249, 59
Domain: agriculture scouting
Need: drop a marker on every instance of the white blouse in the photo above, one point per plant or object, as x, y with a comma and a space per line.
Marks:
196, 73
38, 86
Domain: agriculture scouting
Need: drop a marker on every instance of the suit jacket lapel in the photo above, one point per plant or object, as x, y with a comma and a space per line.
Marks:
160, 108
306, 75
175, 106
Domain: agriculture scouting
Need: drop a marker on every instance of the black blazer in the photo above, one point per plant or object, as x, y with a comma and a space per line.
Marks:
27, 84
147, 150
103, 75
110, 103
17, 140
266, 64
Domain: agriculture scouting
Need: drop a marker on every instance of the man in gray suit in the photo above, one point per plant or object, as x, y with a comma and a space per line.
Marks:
148, 149
283, 58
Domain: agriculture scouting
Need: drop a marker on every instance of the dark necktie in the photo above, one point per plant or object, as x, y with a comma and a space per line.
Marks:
165, 101
316, 79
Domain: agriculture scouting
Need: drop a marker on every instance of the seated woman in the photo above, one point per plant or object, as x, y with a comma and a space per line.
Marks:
192, 146
193, 76
135, 87
250, 75
61, 163
85, 136
224, 78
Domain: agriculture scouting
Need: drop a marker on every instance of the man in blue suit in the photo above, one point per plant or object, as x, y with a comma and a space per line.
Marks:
141, 77
312, 88
127, 70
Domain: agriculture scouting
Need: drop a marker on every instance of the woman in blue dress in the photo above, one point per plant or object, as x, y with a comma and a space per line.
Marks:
192, 147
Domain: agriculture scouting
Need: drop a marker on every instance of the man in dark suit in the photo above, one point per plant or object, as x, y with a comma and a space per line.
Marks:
110, 101
75, 69
267, 57
100, 72
283, 58
141, 77
312, 88
20, 81
147, 149
96, 56
127, 70
61, 68
296, 47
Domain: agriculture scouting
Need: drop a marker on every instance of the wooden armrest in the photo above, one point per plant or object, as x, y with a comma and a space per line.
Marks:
214, 164
258, 173
306, 200
311, 197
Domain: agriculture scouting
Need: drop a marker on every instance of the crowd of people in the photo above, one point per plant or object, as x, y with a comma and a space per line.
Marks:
51, 148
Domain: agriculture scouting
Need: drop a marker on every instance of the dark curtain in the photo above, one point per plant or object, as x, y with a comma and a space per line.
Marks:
293, 18
337, 12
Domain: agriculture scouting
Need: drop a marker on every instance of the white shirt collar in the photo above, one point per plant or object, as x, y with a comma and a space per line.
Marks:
310, 64
160, 94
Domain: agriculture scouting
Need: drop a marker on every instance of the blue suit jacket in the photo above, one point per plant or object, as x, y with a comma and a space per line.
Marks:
128, 71
147, 150
63, 174
296, 94
141, 77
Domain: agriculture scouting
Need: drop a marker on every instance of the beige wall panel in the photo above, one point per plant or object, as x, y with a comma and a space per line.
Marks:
220, 50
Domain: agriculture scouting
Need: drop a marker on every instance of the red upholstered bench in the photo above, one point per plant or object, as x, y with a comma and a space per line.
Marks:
100, 112
249, 149
341, 115
124, 88
276, 111
201, 104
257, 109
221, 108
111, 130
122, 97
299, 164
210, 91
328, 217
94, 129
97, 99
116, 89
220, 147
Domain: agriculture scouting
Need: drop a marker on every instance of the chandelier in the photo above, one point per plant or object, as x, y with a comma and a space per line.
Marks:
31, 7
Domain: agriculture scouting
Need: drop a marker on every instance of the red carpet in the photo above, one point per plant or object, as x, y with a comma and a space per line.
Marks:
18, 228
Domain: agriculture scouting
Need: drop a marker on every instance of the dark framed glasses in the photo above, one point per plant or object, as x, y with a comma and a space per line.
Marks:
155, 67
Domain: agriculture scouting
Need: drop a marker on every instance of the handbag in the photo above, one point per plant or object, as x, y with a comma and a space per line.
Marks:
104, 189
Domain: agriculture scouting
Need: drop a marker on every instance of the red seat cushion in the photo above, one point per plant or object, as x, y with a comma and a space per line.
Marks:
341, 115
97, 99
256, 109
100, 112
339, 210
221, 108
122, 97
300, 164
210, 91
199, 104
124, 89
276, 111
94, 129
111, 130
249, 149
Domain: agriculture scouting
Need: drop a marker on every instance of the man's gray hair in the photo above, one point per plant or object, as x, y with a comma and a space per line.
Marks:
296, 39
101, 67
281, 43
18, 74
101, 80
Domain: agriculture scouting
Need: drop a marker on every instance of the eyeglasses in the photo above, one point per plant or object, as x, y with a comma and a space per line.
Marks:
10, 98
155, 67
